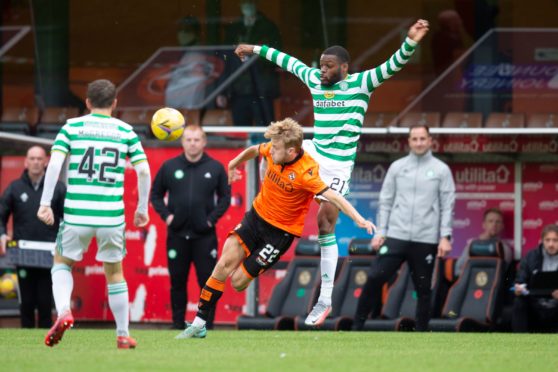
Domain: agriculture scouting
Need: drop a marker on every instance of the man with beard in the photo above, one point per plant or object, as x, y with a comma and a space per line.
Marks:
340, 102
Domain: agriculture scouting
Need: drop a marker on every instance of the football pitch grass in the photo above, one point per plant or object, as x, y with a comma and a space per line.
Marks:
230, 350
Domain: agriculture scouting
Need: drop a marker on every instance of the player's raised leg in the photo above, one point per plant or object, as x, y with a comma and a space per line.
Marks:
327, 218
232, 256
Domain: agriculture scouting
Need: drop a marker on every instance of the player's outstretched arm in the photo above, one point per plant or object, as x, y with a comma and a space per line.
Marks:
141, 217
45, 213
346, 207
284, 61
376, 76
248, 154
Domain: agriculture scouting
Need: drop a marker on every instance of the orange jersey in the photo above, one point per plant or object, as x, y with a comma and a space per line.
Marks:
287, 191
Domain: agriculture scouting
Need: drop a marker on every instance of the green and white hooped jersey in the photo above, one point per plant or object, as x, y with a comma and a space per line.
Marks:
339, 110
97, 147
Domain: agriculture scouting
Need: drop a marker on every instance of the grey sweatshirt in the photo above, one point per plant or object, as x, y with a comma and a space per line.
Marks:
417, 200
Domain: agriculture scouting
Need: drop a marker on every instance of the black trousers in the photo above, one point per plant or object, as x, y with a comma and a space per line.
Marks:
248, 110
420, 257
202, 252
35, 287
529, 316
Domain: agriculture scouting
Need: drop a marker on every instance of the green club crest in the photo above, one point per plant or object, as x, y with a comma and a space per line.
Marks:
179, 174
384, 249
343, 86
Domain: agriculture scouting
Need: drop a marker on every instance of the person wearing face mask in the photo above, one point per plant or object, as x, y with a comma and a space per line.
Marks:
251, 95
340, 102
414, 225
21, 200
189, 78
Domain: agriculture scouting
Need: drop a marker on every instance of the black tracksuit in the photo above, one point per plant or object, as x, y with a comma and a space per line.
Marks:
22, 201
533, 313
198, 195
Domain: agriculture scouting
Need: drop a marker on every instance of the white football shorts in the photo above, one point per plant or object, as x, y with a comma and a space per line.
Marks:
335, 174
73, 241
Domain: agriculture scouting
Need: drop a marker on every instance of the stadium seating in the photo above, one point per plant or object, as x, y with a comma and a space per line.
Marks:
53, 118
542, 120
378, 120
217, 117
19, 120
462, 120
505, 120
294, 295
140, 119
432, 119
348, 286
471, 304
193, 117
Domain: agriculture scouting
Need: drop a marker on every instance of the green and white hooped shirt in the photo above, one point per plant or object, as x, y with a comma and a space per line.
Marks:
339, 110
97, 147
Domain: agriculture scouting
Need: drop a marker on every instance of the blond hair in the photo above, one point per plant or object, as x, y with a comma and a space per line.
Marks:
288, 131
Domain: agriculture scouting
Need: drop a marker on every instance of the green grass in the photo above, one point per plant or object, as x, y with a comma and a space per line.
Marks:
86, 349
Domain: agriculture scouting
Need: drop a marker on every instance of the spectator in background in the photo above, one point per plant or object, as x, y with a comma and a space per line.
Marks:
189, 31
21, 200
252, 93
532, 313
198, 196
492, 227
414, 225
447, 40
188, 80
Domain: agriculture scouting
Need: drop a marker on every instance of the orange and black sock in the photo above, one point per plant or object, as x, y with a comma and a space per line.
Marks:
210, 294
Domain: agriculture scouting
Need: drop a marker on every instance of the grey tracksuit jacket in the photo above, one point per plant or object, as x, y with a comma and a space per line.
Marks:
417, 200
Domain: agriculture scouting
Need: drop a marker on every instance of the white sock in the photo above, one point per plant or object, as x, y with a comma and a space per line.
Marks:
198, 322
62, 286
328, 264
120, 306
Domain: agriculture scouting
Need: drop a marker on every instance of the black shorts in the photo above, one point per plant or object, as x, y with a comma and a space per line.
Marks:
263, 243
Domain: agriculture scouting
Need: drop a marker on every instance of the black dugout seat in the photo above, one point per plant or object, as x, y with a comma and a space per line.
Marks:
471, 305
348, 287
399, 310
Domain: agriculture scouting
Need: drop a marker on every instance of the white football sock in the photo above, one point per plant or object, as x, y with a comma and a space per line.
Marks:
120, 306
328, 264
198, 322
62, 286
